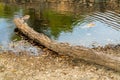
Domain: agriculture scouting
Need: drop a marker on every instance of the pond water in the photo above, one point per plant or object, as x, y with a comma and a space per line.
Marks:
96, 29
89, 26
7, 13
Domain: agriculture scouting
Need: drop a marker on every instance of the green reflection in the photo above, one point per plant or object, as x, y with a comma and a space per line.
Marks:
58, 22
52, 23
7, 11
1, 9
15, 37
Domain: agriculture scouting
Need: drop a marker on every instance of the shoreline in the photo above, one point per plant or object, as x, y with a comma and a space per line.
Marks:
51, 66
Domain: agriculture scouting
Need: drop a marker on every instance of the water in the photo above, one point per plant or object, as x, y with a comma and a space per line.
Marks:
96, 29
100, 34
6, 24
89, 26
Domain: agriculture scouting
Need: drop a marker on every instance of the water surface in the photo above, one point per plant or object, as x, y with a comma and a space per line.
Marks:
7, 14
92, 25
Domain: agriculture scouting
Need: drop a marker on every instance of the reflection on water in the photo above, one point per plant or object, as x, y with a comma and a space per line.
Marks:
5, 31
7, 26
98, 35
96, 29
88, 25
78, 22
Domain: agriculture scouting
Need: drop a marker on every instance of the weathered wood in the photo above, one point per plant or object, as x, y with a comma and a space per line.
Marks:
87, 54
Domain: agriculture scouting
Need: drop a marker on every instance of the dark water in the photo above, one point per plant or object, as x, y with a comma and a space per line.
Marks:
87, 25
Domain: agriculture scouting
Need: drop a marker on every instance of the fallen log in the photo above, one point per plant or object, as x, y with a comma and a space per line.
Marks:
86, 54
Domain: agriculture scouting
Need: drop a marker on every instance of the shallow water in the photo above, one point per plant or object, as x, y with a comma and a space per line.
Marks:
7, 26
89, 26
96, 29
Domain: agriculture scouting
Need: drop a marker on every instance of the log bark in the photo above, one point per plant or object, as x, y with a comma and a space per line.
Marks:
86, 54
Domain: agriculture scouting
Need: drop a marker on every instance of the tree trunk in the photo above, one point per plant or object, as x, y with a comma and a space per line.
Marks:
86, 54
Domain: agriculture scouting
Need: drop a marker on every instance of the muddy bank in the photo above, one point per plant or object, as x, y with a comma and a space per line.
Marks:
50, 66
47, 65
